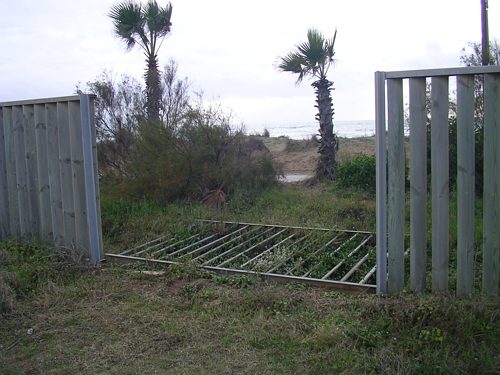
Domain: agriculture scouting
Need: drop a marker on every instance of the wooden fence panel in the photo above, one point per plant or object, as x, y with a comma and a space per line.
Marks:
68, 203
56, 204
43, 183
4, 197
396, 191
81, 223
20, 171
418, 178
465, 185
46, 183
10, 168
440, 183
491, 197
31, 169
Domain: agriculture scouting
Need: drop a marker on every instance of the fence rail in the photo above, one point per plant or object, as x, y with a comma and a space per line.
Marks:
48, 173
391, 190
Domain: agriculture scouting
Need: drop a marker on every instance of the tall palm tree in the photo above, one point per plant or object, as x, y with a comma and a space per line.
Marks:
146, 25
313, 59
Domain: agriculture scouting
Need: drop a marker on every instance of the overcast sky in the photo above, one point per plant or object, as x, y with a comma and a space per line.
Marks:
229, 48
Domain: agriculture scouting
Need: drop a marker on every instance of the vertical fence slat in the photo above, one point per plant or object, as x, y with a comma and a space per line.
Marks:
4, 197
97, 213
418, 179
491, 197
11, 172
396, 217
440, 183
381, 182
21, 173
43, 185
79, 187
66, 173
31, 169
91, 181
465, 185
56, 204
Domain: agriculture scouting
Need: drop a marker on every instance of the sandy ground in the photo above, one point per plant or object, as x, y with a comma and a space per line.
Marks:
304, 161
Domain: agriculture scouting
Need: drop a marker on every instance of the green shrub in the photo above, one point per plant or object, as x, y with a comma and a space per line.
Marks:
359, 172
202, 155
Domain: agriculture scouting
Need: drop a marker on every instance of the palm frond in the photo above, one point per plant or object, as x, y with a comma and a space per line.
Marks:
293, 63
127, 21
331, 46
311, 58
158, 18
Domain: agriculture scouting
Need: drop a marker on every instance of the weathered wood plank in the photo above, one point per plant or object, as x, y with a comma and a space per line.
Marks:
31, 170
66, 174
491, 197
21, 172
396, 217
446, 72
440, 183
418, 179
78, 177
10, 159
4, 197
465, 185
43, 183
54, 167
381, 183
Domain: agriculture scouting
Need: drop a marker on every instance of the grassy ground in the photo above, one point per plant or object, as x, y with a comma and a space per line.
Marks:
62, 318
119, 321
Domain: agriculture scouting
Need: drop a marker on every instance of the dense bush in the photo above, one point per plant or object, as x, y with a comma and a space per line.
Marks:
188, 153
203, 154
359, 172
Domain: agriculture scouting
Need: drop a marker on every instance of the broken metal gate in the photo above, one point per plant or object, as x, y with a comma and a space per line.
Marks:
329, 258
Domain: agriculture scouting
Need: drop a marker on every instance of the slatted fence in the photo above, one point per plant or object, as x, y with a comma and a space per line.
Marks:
48, 173
391, 189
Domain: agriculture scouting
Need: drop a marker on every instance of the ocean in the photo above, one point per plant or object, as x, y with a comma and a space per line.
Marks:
348, 129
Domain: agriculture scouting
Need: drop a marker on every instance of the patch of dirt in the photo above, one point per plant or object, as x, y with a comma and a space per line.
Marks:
304, 161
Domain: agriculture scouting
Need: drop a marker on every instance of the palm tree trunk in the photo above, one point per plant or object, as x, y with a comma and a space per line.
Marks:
153, 88
325, 169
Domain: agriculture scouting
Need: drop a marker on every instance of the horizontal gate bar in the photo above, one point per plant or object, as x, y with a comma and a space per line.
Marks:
285, 226
325, 284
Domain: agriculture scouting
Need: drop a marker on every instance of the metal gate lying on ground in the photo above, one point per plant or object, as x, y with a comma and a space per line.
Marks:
328, 258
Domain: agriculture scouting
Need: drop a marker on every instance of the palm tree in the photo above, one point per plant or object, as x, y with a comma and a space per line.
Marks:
146, 25
313, 59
